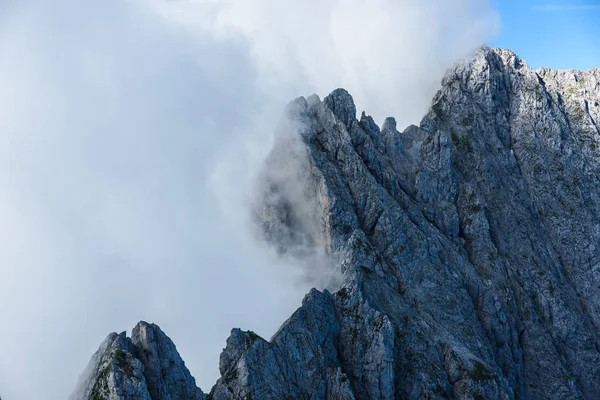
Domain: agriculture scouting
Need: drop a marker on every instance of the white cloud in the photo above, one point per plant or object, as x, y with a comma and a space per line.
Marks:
390, 54
114, 119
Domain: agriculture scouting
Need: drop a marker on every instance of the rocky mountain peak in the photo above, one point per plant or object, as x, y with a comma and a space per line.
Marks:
465, 251
341, 103
146, 366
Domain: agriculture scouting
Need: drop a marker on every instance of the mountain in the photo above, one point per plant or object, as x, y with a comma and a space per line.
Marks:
146, 366
468, 249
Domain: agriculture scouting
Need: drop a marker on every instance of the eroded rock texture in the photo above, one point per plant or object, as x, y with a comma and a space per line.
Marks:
145, 367
468, 248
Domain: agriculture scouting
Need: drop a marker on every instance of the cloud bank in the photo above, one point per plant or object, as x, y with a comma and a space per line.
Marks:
131, 132
389, 54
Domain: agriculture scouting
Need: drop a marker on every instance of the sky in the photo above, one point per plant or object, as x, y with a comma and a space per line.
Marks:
553, 34
131, 133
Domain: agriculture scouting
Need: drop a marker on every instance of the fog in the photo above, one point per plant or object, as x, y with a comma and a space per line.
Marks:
130, 135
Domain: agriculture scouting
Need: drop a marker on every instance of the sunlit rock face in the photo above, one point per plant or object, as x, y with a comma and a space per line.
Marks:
464, 252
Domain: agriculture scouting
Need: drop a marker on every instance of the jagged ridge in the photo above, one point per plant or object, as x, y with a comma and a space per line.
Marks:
468, 245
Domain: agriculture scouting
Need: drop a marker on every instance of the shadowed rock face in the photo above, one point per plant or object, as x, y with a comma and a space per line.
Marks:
469, 249
166, 374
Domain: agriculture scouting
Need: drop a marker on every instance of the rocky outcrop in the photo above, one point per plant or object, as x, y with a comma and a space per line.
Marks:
166, 374
300, 361
146, 366
467, 248
114, 372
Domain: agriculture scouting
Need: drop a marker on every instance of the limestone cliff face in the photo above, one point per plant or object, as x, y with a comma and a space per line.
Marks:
469, 250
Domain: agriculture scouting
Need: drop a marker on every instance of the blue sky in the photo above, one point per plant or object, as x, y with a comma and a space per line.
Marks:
556, 34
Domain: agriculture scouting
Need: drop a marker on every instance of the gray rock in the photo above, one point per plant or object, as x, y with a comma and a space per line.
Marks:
166, 374
464, 252
300, 361
113, 373
145, 367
